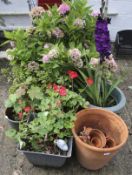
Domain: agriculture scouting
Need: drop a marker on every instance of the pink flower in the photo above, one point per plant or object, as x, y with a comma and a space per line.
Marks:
110, 62
72, 74
79, 23
45, 59
63, 9
58, 33
95, 13
62, 91
75, 54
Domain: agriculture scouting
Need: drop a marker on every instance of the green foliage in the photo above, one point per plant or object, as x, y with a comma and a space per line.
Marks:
29, 44
104, 82
54, 120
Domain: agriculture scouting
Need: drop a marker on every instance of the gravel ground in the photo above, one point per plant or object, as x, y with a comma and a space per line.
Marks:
14, 163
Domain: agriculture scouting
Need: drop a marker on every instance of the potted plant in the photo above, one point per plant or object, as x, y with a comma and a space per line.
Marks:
22, 105
93, 152
98, 83
46, 141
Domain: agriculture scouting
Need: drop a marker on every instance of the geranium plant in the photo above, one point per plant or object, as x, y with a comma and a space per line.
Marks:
54, 120
24, 102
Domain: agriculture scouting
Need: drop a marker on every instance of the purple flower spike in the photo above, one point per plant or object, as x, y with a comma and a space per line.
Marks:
102, 39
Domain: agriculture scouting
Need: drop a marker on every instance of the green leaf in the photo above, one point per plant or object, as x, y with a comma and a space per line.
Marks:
13, 98
8, 104
35, 93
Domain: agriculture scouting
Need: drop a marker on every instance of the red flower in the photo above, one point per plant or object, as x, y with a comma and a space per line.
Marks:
56, 87
20, 115
62, 91
27, 109
72, 74
89, 81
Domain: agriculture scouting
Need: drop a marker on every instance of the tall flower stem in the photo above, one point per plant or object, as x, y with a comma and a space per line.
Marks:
72, 85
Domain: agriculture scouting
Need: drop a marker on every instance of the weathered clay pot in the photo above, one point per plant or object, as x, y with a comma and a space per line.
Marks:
111, 124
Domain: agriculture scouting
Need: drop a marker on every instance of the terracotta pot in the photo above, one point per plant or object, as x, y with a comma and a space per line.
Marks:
97, 138
110, 142
111, 124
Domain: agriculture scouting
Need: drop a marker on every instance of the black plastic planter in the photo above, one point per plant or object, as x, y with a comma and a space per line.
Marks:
9, 116
50, 160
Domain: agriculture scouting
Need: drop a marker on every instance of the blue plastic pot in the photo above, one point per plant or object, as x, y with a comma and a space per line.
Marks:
120, 99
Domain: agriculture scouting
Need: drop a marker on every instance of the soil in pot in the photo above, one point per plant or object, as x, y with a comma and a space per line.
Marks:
111, 124
47, 159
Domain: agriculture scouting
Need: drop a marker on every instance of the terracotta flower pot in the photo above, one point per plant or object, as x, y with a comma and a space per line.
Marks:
98, 138
111, 124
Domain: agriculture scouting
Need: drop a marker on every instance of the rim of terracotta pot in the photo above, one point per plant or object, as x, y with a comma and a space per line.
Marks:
101, 149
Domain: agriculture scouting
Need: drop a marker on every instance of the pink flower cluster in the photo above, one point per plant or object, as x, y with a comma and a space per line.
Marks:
79, 23
95, 13
53, 53
58, 33
63, 9
75, 55
111, 63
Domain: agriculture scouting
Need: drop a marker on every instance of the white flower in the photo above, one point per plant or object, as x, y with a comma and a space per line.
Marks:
53, 53
94, 61
79, 23
37, 11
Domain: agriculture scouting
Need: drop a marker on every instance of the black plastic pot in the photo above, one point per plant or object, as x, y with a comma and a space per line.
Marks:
120, 99
10, 118
50, 160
